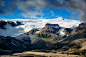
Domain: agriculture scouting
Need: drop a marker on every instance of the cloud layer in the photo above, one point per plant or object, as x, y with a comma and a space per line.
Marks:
37, 24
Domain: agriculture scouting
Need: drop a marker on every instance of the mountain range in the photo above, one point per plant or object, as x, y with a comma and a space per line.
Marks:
48, 36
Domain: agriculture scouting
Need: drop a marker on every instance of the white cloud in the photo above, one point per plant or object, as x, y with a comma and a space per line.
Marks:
32, 14
32, 8
37, 23
11, 31
52, 13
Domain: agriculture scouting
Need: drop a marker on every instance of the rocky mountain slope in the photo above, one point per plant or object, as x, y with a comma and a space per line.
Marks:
78, 33
47, 38
9, 45
51, 37
76, 40
73, 42
50, 30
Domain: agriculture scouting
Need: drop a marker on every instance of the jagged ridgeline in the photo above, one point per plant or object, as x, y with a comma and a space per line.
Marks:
3, 23
10, 45
50, 37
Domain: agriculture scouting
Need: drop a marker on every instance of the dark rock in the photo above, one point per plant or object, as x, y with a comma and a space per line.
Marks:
67, 31
51, 28
33, 31
82, 26
3, 23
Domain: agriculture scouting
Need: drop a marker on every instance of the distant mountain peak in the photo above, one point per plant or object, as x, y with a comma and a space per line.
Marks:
51, 28
3, 23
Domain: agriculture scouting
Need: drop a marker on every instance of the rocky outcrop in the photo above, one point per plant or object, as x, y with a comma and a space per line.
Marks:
51, 28
33, 31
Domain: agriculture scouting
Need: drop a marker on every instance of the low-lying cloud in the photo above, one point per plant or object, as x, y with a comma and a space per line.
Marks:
40, 23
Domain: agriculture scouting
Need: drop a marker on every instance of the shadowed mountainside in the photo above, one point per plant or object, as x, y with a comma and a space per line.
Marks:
9, 45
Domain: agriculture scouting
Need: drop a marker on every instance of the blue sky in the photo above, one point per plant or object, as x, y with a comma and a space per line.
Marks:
35, 11
47, 14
